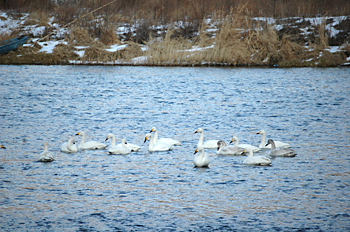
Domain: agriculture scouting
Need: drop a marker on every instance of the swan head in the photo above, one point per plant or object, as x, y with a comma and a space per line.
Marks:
261, 132
1, 146
221, 144
234, 139
148, 136
109, 136
200, 148
80, 133
199, 130
154, 129
270, 141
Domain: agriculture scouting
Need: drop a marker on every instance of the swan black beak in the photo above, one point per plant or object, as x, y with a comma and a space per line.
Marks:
195, 151
145, 140
2, 147
231, 141
266, 144
107, 138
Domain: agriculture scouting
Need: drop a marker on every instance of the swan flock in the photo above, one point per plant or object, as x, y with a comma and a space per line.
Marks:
201, 159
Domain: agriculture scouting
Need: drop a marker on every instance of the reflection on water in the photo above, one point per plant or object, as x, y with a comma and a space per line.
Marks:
91, 190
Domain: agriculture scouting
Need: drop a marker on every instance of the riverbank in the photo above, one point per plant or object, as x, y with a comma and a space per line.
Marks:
236, 40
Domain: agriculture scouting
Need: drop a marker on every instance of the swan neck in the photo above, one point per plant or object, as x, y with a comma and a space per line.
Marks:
46, 147
155, 138
151, 143
250, 153
273, 145
263, 140
201, 138
113, 141
236, 142
82, 141
69, 145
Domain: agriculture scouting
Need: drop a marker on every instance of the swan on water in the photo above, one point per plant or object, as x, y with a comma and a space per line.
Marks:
120, 150
1, 146
280, 151
201, 159
133, 147
224, 149
46, 155
263, 142
157, 146
256, 160
244, 146
164, 140
209, 144
91, 145
69, 147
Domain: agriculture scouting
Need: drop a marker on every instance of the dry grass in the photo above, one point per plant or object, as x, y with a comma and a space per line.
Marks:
37, 18
331, 59
131, 51
169, 51
232, 45
108, 37
30, 55
79, 37
65, 52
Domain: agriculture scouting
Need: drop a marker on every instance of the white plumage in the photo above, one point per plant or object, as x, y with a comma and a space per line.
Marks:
46, 155
91, 145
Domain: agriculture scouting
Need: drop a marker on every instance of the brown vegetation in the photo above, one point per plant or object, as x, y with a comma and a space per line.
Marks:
239, 39
175, 10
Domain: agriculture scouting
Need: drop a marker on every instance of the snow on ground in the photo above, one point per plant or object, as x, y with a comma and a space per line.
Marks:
116, 47
333, 49
50, 45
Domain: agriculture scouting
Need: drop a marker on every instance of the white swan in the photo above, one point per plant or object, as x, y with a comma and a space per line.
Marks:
164, 140
91, 145
133, 147
209, 144
263, 141
157, 146
201, 160
224, 149
1, 146
120, 150
46, 155
256, 160
69, 147
280, 151
244, 146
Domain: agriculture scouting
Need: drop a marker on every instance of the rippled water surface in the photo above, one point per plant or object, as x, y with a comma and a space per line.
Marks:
91, 190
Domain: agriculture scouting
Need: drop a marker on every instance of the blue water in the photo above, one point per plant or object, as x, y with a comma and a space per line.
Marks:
161, 191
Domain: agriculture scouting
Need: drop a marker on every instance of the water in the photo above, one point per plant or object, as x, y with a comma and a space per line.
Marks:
91, 190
